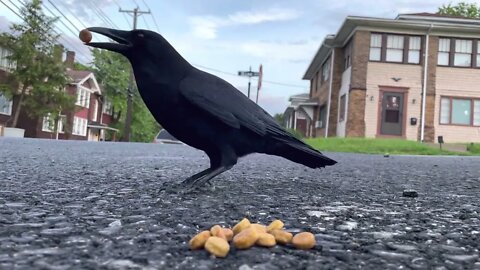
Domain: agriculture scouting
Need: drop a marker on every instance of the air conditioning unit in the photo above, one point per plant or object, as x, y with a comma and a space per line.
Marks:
319, 124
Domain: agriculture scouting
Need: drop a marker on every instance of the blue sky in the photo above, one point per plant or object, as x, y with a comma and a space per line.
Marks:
226, 36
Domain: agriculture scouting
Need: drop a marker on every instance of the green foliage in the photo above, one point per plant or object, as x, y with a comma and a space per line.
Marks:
474, 148
295, 133
38, 76
462, 9
80, 66
280, 118
376, 146
112, 71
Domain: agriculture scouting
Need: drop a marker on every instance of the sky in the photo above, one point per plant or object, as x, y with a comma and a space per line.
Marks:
225, 36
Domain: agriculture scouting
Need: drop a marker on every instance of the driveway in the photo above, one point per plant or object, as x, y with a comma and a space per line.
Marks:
99, 205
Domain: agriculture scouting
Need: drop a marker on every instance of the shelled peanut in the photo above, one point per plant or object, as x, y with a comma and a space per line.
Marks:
245, 234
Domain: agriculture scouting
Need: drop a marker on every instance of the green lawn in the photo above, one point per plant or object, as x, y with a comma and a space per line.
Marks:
474, 148
377, 146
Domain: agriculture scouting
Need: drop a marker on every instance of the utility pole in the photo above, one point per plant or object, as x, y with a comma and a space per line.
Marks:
128, 118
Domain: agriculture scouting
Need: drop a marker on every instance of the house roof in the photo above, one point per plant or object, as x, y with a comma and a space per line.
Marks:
81, 76
418, 23
303, 96
78, 75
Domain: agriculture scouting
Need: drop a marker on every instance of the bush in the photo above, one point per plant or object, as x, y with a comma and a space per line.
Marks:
296, 133
473, 148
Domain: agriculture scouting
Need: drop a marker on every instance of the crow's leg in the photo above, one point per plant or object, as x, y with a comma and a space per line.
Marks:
221, 159
194, 177
199, 181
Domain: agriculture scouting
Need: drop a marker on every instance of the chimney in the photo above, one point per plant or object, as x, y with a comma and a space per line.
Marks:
70, 59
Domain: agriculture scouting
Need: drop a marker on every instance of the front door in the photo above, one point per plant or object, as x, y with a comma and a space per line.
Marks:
392, 114
302, 126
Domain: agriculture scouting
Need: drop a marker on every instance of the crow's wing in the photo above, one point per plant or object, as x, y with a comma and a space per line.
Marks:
224, 102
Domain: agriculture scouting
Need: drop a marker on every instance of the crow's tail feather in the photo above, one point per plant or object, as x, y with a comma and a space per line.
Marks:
299, 152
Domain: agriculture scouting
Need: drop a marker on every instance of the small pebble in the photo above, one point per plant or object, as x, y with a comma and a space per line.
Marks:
410, 193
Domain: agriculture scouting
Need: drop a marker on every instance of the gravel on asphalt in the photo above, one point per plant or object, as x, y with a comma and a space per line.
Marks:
99, 205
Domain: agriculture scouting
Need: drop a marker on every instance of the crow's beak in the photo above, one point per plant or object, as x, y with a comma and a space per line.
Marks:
121, 37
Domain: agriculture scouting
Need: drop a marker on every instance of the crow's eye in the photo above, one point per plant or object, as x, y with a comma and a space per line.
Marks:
140, 35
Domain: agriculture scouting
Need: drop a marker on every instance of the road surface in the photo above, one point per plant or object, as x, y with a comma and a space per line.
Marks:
99, 205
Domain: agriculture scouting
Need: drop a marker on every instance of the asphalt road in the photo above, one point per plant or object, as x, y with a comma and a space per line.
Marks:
85, 205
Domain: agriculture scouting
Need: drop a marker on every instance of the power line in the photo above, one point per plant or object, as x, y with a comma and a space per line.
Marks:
69, 11
263, 81
101, 15
153, 16
65, 40
55, 7
146, 23
119, 8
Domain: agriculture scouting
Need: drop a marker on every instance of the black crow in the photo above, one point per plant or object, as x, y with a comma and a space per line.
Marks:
201, 109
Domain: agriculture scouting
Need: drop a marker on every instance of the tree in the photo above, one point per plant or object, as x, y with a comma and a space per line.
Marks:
462, 9
38, 71
112, 72
280, 117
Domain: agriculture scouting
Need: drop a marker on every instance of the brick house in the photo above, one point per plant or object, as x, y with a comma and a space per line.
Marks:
368, 79
89, 121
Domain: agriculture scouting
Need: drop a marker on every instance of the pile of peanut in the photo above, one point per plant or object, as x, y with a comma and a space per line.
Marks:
244, 235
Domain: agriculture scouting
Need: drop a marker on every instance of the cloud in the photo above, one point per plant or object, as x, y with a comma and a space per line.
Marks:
206, 27
272, 15
4, 24
295, 52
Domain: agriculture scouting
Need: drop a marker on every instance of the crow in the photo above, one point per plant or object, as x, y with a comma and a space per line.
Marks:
201, 109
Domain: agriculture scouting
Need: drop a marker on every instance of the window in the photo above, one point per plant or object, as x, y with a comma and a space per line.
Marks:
444, 51
458, 111
107, 107
342, 107
375, 47
478, 55
445, 111
322, 116
318, 81
394, 48
463, 53
83, 97
347, 59
476, 112
5, 105
414, 46
62, 122
79, 126
326, 70
95, 110
47, 124
458, 52
5, 64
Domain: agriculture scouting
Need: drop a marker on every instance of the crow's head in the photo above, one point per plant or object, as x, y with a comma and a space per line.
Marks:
143, 48
129, 43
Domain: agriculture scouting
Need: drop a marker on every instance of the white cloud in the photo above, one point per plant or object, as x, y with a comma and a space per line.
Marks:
206, 27
271, 15
281, 51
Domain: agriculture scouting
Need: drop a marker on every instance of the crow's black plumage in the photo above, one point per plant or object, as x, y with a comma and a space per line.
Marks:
201, 109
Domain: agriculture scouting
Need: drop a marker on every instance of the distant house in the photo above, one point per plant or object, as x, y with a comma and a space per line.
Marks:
7, 106
413, 77
299, 114
89, 121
